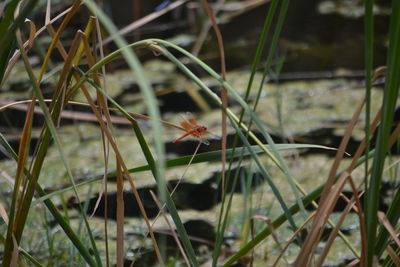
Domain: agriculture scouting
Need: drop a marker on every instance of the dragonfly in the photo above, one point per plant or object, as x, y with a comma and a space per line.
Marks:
193, 129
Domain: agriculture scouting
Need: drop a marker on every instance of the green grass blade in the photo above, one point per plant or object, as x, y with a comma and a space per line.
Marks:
267, 177
368, 56
274, 43
261, 44
388, 107
369, 47
8, 17
213, 156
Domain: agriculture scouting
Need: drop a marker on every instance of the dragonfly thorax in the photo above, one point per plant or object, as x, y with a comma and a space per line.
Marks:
201, 129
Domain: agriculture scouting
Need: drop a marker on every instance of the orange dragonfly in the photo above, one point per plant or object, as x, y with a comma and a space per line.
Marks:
193, 129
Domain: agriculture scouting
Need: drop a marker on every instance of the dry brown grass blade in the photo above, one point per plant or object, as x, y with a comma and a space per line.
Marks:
55, 39
360, 150
379, 71
361, 218
88, 31
120, 216
109, 136
291, 240
66, 114
18, 105
48, 13
19, 208
105, 192
383, 220
173, 233
3, 214
355, 200
354, 262
362, 145
84, 47
333, 235
23, 149
394, 136
92, 60
17, 201
393, 255
7, 177
32, 32
305, 254
331, 223
125, 169
229, 11
68, 62
100, 98
342, 148
114, 146
201, 37
14, 256
322, 215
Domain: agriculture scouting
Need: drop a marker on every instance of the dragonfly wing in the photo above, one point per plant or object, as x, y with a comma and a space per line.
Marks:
186, 125
213, 135
193, 121
190, 118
